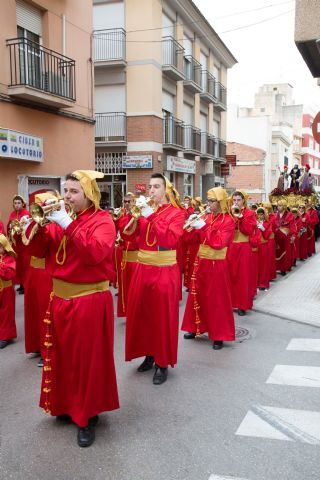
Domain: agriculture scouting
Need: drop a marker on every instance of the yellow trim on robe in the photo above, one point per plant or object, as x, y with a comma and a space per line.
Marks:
211, 254
5, 284
68, 290
163, 258
37, 262
239, 237
132, 255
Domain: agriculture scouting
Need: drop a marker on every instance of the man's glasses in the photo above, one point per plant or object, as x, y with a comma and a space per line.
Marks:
126, 201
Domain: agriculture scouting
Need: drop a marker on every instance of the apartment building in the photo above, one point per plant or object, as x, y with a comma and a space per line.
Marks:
310, 149
160, 96
46, 96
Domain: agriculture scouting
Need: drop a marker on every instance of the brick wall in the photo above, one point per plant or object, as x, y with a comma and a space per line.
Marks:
146, 128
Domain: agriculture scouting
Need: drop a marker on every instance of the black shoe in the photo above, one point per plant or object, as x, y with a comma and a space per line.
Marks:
64, 418
189, 335
93, 421
20, 290
283, 274
160, 375
40, 362
187, 289
241, 312
5, 343
262, 289
147, 364
86, 436
217, 345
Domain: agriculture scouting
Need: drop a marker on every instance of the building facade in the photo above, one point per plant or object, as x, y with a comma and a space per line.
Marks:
160, 96
46, 96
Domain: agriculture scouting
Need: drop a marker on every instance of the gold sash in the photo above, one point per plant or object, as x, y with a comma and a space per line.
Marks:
131, 255
271, 236
37, 262
68, 290
263, 240
254, 249
163, 258
284, 230
211, 254
239, 237
5, 284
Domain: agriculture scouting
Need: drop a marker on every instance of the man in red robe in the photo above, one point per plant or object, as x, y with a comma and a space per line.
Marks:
23, 257
79, 379
8, 329
240, 254
303, 233
209, 306
265, 228
284, 231
313, 220
153, 304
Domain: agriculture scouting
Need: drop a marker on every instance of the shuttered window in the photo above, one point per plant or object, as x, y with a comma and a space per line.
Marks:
29, 17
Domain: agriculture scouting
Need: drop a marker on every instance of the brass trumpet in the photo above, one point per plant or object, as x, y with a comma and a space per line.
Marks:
117, 213
16, 228
236, 211
135, 211
188, 225
39, 213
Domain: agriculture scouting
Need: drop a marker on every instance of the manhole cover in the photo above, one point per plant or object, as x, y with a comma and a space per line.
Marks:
242, 334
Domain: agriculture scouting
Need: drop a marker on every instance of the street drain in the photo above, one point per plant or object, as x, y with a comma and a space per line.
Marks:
242, 334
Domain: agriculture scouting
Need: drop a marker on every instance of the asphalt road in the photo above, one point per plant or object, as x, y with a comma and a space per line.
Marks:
215, 417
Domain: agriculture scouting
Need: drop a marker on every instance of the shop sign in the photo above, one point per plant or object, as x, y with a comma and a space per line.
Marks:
20, 146
141, 187
225, 170
177, 164
231, 160
41, 185
137, 161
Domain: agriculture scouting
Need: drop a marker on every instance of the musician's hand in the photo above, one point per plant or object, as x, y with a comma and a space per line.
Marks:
60, 217
197, 224
25, 220
303, 219
146, 211
141, 202
261, 227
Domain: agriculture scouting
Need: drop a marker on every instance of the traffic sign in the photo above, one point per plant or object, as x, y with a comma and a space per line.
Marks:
316, 128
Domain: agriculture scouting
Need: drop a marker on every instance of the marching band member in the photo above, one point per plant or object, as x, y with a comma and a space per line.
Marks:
303, 233
8, 329
271, 242
2, 229
23, 257
153, 303
209, 306
284, 231
79, 378
240, 254
265, 228
187, 203
313, 221
130, 247
298, 230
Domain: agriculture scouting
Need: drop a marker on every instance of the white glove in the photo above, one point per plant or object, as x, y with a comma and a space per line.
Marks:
261, 227
146, 211
186, 206
141, 202
198, 224
25, 220
60, 217
303, 219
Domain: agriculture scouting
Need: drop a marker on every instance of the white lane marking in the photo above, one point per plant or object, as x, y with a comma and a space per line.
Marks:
295, 375
304, 344
223, 477
281, 424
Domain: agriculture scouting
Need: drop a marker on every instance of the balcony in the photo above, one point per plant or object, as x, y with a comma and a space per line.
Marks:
221, 97
172, 58
192, 140
109, 47
208, 84
172, 133
192, 72
221, 150
111, 128
208, 143
40, 75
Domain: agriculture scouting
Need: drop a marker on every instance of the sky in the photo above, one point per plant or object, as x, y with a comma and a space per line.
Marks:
266, 52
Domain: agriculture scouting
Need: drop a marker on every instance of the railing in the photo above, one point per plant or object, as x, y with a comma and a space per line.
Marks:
111, 127
192, 69
172, 54
208, 83
109, 44
41, 68
222, 149
172, 131
221, 93
192, 138
207, 144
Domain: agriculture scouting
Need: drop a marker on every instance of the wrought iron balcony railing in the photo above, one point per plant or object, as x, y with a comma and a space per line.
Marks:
109, 45
192, 72
192, 138
111, 127
172, 58
221, 95
208, 143
35, 66
173, 131
208, 85
222, 149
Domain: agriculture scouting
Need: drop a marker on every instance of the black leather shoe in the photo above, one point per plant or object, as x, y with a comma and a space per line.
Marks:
217, 345
64, 418
93, 421
160, 375
147, 364
283, 273
20, 290
189, 335
262, 289
241, 312
5, 343
86, 436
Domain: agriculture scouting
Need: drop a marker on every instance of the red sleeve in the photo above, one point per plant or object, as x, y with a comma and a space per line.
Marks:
291, 223
222, 235
39, 244
168, 231
313, 218
191, 238
93, 246
2, 230
247, 223
7, 268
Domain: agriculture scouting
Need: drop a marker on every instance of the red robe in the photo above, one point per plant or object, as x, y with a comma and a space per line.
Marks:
284, 229
240, 261
272, 248
303, 237
8, 329
2, 229
37, 292
209, 297
153, 303
83, 379
254, 241
264, 256
23, 256
129, 243
313, 221
189, 252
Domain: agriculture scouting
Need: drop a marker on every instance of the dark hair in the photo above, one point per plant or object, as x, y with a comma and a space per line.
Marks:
261, 210
159, 175
238, 193
69, 176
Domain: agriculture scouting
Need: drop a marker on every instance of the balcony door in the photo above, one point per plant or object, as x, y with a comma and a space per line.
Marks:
29, 58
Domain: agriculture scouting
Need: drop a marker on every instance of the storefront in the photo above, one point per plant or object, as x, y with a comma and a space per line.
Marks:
181, 173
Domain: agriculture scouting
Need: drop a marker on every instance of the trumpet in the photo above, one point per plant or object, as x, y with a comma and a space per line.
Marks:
117, 213
188, 225
136, 210
236, 211
39, 213
15, 229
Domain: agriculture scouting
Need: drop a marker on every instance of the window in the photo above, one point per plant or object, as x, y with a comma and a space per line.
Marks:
29, 58
187, 184
170, 176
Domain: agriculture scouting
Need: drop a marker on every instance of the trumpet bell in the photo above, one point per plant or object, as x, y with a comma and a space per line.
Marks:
39, 213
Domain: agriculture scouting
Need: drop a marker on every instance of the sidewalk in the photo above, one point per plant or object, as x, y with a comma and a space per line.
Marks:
296, 296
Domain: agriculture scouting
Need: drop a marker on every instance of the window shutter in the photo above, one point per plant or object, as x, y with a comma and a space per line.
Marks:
29, 17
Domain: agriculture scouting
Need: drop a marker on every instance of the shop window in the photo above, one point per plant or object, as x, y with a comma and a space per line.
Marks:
187, 184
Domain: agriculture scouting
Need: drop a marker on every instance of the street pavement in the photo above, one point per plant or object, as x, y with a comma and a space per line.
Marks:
250, 411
